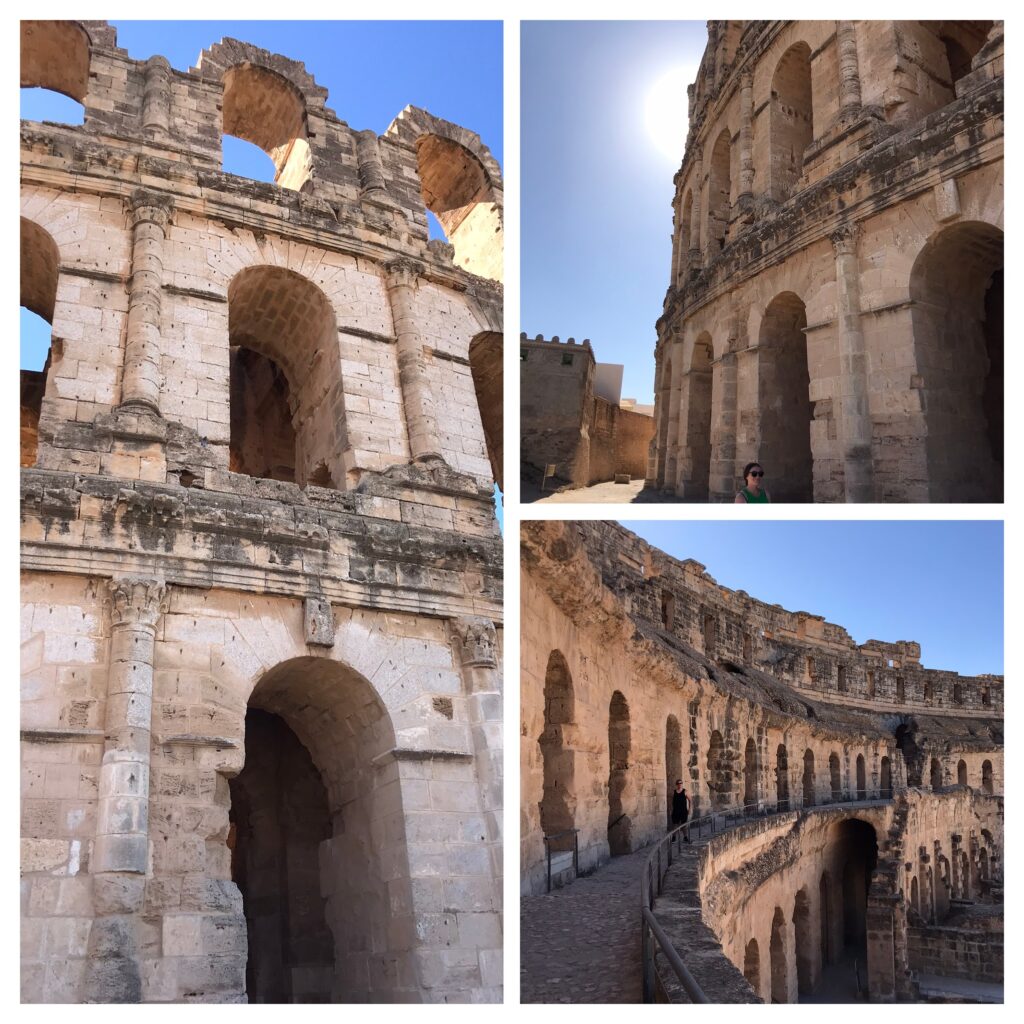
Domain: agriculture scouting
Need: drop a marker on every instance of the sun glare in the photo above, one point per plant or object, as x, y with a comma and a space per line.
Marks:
665, 111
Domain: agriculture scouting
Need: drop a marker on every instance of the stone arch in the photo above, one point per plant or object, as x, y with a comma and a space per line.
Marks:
752, 965
485, 355
558, 800
289, 325
961, 772
696, 482
958, 694
751, 771
778, 957
915, 898
782, 778
885, 779
956, 292
40, 271
719, 190
55, 55
619, 822
353, 864
808, 778
862, 785
804, 944
784, 400
791, 120
986, 777
855, 845
673, 758
719, 773
834, 776
961, 41
936, 774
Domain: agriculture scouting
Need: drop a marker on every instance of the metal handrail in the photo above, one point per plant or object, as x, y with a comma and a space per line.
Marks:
660, 860
575, 833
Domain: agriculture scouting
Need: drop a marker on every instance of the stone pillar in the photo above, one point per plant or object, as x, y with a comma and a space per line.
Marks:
120, 854
746, 189
854, 414
723, 483
417, 394
698, 164
674, 401
156, 97
849, 70
140, 388
371, 169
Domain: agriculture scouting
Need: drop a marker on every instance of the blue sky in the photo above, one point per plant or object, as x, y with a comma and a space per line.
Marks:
597, 182
939, 583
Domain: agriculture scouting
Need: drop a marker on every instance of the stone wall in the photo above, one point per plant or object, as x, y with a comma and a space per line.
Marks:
955, 951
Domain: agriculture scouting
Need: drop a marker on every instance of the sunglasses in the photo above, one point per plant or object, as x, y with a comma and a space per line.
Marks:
756, 472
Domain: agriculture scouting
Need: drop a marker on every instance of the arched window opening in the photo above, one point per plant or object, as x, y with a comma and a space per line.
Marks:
777, 954
871, 684
901, 693
719, 773
287, 401
986, 777
246, 160
928, 694
710, 630
782, 778
40, 263
958, 694
719, 189
673, 759
965, 875
54, 60
956, 289
752, 966
961, 773
915, 899
983, 865
263, 108
805, 950
808, 778
936, 774
485, 353
558, 802
750, 773
885, 781
791, 120
619, 824
962, 40
668, 610
697, 474
685, 232
986, 697
862, 785
784, 399
841, 679
834, 779
47, 105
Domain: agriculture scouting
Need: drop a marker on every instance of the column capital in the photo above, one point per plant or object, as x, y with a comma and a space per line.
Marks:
137, 600
403, 271
844, 239
475, 640
746, 79
154, 207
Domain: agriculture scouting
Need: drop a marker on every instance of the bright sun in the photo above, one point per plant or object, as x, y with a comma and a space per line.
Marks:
665, 111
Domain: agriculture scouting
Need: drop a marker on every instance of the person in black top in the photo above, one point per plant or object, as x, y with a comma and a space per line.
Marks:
680, 807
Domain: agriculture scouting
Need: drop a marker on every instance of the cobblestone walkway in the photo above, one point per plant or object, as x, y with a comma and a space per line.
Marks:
581, 944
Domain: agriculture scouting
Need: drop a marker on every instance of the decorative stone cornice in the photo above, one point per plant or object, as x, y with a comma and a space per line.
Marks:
475, 640
137, 600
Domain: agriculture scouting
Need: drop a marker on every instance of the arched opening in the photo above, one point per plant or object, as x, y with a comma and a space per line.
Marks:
986, 777
558, 802
782, 778
685, 219
911, 756
928, 691
673, 759
956, 288
287, 421
784, 400
698, 419
965, 876
986, 697
719, 773
752, 966
901, 691
825, 918
928, 904
958, 694
961, 773
936, 774
855, 851
750, 773
834, 779
263, 108
808, 778
54, 71
915, 898
962, 40
457, 190
40, 266
804, 944
841, 679
886, 778
710, 634
324, 884
619, 825
719, 189
870, 684
983, 864
791, 120
862, 785
485, 352
777, 954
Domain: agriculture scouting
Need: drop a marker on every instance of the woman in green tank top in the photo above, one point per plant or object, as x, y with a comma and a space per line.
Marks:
753, 493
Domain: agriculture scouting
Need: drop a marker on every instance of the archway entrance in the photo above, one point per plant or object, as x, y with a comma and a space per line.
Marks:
558, 802
750, 773
618, 752
857, 853
673, 758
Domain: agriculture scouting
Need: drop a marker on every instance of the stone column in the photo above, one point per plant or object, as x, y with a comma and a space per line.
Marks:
371, 169
675, 400
854, 415
417, 394
698, 162
140, 388
849, 70
120, 853
746, 189
156, 97
723, 483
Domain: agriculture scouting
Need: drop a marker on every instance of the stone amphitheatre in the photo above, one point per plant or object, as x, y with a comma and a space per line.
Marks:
847, 821
835, 307
262, 595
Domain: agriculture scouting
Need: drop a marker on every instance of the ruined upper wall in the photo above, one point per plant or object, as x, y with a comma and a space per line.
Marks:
799, 648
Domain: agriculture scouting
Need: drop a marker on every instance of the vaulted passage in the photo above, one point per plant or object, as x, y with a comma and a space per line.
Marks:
673, 758
558, 802
857, 853
719, 187
619, 826
262, 435
279, 818
784, 400
791, 122
956, 287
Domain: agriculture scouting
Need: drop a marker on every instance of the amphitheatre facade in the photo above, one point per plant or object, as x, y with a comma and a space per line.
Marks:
262, 594
836, 298
847, 810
